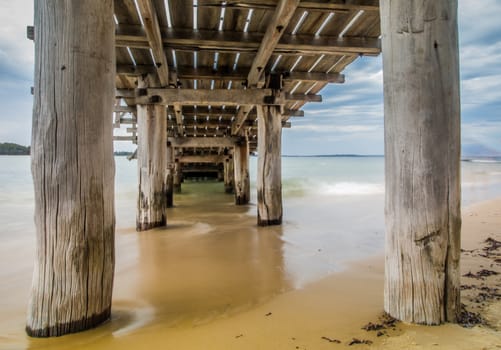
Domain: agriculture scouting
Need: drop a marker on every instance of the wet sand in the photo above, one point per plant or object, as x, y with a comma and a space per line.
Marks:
216, 281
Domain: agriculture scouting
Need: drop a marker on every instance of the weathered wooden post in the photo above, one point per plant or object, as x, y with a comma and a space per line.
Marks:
228, 174
422, 154
151, 161
269, 166
178, 175
169, 177
73, 166
241, 172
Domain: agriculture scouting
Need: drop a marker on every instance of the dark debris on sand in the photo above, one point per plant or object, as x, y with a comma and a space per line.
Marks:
356, 341
385, 321
468, 319
330, 340
481, 274
492, 245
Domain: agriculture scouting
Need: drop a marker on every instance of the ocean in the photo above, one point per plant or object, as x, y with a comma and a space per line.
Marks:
212, 260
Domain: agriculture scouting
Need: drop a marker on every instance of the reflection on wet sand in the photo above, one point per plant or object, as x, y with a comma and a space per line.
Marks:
211, 262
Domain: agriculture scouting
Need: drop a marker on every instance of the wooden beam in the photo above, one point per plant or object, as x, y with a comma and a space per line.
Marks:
124, 138
224, 74
128, 121
283, 13
125, 109
293, 113
152, 29
212, 158
315, 77
240, 119
203, 142
225, 97
335, 5
303, 97
130, 69
211, 40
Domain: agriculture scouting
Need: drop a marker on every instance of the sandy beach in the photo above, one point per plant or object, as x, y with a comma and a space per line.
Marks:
262, 310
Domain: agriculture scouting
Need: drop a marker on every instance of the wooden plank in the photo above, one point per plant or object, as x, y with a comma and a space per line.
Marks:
314, 77
283, 13
152, 29
211, 40
303, 97
203, 142
335, 5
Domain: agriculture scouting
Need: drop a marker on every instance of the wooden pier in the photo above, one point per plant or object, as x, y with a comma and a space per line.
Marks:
200, 83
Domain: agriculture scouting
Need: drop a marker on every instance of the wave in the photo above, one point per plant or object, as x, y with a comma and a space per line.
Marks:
301, 187
483, 160
351, 188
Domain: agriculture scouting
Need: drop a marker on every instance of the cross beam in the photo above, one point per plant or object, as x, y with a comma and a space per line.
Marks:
311, 5
210, 40
233, 97
154, 37
204, 142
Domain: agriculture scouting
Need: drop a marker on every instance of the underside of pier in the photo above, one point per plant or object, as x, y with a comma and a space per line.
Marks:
199, 85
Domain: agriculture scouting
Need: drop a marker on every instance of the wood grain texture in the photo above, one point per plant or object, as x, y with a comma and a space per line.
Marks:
169, 176
422, 148
73, 167
152, 164
241, 173
228, 175
177, 177
269, 166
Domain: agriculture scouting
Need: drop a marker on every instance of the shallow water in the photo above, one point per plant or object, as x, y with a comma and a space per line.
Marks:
212, 261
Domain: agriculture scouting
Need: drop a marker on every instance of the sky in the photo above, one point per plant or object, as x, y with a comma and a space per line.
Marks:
350, 118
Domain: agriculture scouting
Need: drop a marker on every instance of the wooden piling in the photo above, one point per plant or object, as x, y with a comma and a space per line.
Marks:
72, 166
422, 155
241, 173
169, 176
151, 161
269, 166
228, 174
178, 176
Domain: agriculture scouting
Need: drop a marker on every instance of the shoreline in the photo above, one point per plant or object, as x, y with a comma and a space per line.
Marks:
324, 314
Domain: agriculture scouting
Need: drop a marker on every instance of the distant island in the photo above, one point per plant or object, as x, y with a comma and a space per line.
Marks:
13, 149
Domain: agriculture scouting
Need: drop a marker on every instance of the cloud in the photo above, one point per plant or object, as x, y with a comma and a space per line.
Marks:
16, 51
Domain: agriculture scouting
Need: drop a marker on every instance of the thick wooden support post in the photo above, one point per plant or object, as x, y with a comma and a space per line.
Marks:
73, 166
269, 166
169, 177
151, 161
178, 176
241, 173
228, 174
422, 150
